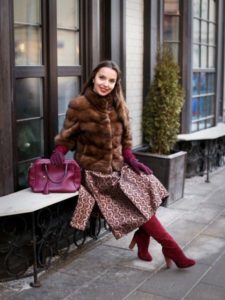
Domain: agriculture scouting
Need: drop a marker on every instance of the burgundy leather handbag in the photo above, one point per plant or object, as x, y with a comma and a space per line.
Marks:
44, 177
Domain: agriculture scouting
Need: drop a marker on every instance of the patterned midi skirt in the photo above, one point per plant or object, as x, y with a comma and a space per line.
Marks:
126, 199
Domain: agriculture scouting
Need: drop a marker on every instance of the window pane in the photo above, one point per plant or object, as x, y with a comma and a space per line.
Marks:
203, 56
171, 28
194, 127
29, 139
27, 34
68, 32
212, 10
195, 83
68, 48
211, 82
195, 109
203, 83
211, 100
29, 97
196, 31
60, 122
212, 34
211, 57
22, 175
201, 125
196, 56
204, 9
204, 32
68, 88
171, 6
203, 107
196, 8
174, 47
209, 123
27, 45
68, 15
27, 11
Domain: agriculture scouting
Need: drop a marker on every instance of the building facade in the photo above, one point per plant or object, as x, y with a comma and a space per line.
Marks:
48, 47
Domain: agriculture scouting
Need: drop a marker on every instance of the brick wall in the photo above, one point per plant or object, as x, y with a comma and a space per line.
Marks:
134, 65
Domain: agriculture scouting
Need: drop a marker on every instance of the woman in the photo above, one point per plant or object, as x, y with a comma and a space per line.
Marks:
125, 191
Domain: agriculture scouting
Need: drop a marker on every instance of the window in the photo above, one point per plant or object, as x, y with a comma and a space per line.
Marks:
204, 65
68, 53
171, 20
46, 76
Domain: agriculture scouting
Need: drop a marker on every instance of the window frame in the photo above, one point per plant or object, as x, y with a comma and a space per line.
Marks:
204, 69
49, 72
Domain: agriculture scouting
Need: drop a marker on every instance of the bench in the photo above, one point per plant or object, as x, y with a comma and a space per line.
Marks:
27, 202
206, 135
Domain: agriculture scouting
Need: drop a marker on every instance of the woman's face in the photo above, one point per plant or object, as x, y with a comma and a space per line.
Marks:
104, 81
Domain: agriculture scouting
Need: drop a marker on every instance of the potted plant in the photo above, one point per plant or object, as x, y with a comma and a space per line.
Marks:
161, 124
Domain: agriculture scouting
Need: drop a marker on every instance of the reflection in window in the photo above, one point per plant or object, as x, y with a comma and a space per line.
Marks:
27, 32
68, 33
171, 7
203, 80
68, 88
68, 48
29, 139
29, 95
22, 174
171, 26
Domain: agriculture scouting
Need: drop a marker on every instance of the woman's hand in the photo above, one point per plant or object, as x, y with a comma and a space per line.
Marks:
58, 155
137, 166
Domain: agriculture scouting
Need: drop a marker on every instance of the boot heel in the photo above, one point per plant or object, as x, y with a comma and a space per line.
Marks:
132, 243
168, 262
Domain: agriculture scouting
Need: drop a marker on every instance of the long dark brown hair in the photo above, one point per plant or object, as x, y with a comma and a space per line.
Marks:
117, 92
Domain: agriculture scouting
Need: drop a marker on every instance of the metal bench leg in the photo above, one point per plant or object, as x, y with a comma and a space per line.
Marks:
207, 161
36, 282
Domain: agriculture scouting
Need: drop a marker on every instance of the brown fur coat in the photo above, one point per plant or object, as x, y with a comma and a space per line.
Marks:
97, 131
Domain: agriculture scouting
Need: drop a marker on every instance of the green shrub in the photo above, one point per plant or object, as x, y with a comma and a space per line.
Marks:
163, 104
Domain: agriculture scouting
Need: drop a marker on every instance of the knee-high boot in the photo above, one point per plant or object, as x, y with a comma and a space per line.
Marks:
142, 239
171, 250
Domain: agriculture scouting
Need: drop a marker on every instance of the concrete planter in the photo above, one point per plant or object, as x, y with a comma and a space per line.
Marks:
169, 169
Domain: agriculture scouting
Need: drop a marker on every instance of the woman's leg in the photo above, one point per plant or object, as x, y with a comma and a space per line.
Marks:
170, 248
142, 239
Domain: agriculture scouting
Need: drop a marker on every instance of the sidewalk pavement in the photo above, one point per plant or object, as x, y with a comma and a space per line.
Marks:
108, 270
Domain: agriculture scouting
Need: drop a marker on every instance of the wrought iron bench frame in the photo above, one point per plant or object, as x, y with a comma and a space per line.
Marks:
208, 136
24, 202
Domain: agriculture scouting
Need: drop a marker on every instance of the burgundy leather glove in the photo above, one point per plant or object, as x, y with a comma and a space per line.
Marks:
137, 166
58, 155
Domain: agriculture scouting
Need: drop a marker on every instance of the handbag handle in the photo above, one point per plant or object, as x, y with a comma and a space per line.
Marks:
58, 180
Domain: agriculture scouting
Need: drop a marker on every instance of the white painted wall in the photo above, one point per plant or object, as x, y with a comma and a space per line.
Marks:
134, 65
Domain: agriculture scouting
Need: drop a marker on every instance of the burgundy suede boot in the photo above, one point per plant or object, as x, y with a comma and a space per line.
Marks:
142, 240
171, 250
